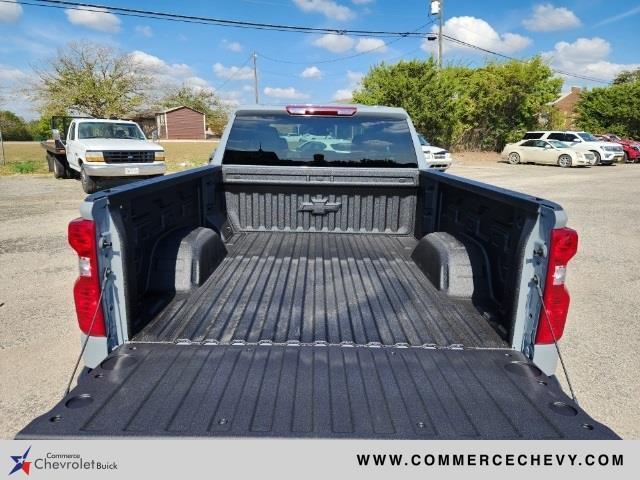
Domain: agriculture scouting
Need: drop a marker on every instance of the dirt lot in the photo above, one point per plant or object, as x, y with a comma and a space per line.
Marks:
39, 339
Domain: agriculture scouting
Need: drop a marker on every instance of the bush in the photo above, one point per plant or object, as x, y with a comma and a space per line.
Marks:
465, 107
611, 109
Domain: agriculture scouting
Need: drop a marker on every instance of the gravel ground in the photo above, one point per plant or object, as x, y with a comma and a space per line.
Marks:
39, 340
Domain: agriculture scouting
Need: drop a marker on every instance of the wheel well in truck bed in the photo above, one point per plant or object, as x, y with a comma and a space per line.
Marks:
146, 213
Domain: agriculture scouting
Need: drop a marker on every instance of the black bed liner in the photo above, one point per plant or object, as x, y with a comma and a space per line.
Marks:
155, 389
326, 287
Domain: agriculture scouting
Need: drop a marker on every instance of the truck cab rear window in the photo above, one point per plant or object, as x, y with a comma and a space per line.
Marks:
285, 140
532, 135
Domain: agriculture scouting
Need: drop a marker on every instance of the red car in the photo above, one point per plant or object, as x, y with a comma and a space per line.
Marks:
631, 147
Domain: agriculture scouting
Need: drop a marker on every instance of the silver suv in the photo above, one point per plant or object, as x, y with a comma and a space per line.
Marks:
606, 153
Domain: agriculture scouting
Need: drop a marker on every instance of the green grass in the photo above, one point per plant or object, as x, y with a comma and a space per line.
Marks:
23, 158
184, 155
28, 166
29, 157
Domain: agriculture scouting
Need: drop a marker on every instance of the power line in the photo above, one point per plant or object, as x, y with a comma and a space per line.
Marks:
354, 55
331, 74
98, 8
502, 55
234, 74
61, 4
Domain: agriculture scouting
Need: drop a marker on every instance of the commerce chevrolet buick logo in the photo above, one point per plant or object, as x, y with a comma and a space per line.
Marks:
21, 463
319, 206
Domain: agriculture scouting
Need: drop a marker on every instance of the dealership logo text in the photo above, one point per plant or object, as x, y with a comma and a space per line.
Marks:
71, 461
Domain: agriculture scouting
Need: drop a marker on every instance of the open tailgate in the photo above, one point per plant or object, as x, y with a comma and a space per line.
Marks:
163, 389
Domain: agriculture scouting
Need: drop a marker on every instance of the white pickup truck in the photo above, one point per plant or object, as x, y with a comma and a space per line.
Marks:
435, 157
104, 153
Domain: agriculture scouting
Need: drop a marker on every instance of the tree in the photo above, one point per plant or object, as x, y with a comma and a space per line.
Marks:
433, 100
13, 127
612, 109
40, 128
509, 98
201, 99
465, 107
627, 76
90, 79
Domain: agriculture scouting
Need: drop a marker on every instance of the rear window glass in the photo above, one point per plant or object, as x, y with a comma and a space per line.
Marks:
557, 136
587, 137
532, 135
317, 141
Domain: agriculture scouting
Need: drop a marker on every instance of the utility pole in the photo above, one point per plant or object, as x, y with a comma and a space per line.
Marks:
4, 160
440, 34
438, 9
255, 77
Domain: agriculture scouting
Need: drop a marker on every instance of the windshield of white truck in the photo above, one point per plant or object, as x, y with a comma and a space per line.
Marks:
109, 130
323, 141
423, 141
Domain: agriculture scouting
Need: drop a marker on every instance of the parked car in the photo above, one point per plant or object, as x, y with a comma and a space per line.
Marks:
549, 152
436, 157
103, 152
606, 153
370, 297
324, 145
631, 147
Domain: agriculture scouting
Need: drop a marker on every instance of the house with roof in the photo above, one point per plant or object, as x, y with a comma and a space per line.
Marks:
181, 123
566, 105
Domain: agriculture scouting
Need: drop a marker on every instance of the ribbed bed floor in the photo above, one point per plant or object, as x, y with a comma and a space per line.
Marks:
153, 389
317, 287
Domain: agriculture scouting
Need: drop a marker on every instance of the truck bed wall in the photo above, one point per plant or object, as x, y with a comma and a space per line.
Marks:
496, 220
145, 212
394, 202
373, 202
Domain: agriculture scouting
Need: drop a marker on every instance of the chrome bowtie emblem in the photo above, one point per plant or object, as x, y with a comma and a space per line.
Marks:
319, 206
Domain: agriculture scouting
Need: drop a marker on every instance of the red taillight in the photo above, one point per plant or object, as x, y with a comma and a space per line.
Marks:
86, 291
564, 245
321, 110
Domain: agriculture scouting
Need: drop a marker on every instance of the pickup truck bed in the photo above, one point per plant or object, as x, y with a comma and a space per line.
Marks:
150, 389
52, 147
337, 298
321, 287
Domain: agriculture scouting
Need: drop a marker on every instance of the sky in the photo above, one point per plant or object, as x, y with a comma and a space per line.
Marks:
594, 38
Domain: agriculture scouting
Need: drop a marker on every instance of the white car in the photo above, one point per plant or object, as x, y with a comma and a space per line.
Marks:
324, 145
606, 153
103, 152
549, 152
436, 157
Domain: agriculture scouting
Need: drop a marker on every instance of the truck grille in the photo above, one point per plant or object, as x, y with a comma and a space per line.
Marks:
129, 157
439, 156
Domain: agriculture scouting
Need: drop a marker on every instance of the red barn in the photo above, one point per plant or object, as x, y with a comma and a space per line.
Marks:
181, 123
